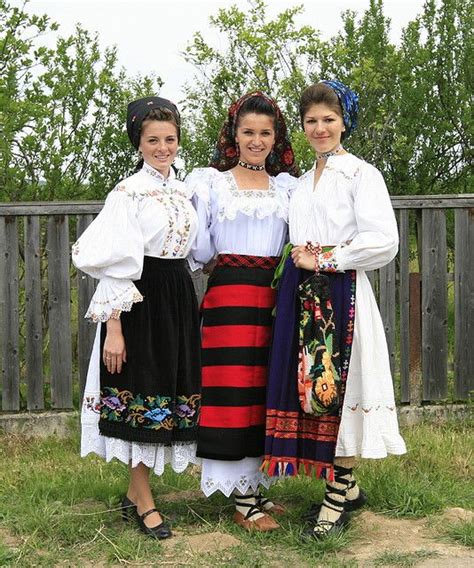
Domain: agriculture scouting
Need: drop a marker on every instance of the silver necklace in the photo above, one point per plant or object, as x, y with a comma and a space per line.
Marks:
324, 155
251, 166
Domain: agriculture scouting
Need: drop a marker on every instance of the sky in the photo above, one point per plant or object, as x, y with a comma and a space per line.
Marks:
151, 34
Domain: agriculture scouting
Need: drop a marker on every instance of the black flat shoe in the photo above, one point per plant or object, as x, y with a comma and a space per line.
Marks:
159, 532
128, 510
323, 529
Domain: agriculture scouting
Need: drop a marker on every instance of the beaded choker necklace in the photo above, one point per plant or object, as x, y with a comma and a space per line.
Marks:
325, 155
251, 166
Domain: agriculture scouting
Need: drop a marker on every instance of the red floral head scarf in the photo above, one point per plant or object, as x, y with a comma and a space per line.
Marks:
281, 158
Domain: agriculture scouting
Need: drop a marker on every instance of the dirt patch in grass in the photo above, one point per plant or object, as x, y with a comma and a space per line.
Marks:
8, 539
411, 542
211, 542
457, 514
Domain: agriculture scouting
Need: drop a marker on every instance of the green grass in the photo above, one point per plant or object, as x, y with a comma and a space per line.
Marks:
60, 508
403, 558
462, 532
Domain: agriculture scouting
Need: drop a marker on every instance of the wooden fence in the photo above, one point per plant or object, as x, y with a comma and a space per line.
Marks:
428, 311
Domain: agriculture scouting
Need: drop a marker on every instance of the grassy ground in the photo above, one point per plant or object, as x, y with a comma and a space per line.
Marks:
59, 509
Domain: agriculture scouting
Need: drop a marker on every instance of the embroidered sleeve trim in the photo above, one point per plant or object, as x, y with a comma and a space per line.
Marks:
328, 261
101, 311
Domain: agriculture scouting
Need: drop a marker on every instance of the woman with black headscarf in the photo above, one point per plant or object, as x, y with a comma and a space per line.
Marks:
242, 204
142, 396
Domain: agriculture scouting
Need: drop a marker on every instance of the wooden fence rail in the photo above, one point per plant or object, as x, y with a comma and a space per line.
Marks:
45, 341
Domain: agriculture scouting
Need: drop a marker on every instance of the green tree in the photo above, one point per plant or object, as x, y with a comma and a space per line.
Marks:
63, 112
415, 123
270, 55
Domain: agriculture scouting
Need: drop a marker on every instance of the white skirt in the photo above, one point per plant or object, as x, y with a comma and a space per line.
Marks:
154, 456
227, 476
369, 424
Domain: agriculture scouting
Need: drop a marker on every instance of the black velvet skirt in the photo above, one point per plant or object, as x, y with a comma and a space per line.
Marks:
156, 397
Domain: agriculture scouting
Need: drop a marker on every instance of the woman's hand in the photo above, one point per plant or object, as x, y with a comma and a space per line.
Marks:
302, 258
114, 347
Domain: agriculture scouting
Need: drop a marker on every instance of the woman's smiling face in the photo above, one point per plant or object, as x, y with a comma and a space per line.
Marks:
323, 127
159, 144
255, 137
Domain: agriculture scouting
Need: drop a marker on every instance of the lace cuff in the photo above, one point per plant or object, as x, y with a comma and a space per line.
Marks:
112, 297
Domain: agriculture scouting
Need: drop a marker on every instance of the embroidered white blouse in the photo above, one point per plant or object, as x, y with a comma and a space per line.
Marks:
144, 215
350, 207
231, 220
350, 204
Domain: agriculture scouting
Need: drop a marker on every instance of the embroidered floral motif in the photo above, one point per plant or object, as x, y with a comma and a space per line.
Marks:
256, 193
350, 177
318, 377
349, 330
328, 261
178, 211
367, 410
258, 202
92, 404
150, 412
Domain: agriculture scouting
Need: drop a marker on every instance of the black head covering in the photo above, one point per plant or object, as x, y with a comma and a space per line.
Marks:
138, 110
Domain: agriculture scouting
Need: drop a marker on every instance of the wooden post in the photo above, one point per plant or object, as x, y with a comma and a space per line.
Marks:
34, 329
434, 307
387, 308
404, 299
414, 334
10, 315
464, 302
86, 329
59, 311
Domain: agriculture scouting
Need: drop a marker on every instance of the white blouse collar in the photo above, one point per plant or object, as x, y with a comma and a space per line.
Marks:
146, 168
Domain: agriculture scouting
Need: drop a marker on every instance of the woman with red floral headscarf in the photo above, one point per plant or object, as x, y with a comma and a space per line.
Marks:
242, 205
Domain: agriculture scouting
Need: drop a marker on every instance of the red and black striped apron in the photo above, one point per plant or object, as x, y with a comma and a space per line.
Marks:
236, 329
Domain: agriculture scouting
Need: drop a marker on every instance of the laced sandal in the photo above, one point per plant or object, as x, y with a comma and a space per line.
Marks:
159, 532
323, 529
350, 505
264, 523
354, 504
267, 506
128, 510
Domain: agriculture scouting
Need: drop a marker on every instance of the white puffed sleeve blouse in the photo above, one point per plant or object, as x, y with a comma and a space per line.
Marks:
350, 208
144, 215
231, 220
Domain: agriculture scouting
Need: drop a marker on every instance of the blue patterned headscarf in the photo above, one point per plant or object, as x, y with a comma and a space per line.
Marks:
349, 102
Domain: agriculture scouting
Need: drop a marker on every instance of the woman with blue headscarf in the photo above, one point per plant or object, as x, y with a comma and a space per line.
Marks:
330, 395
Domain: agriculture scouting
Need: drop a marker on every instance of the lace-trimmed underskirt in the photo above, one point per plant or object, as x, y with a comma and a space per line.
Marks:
155, 456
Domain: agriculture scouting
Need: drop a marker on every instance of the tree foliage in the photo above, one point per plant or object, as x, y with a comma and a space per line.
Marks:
415, 122
62, 111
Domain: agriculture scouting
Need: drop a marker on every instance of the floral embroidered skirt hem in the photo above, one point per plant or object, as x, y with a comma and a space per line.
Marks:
236, 328
156, 397
297, 442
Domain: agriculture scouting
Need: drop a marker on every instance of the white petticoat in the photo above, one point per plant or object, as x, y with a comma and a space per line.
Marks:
227, 476
155, 456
